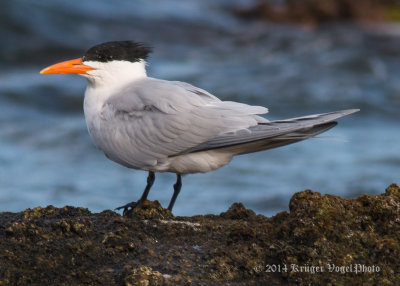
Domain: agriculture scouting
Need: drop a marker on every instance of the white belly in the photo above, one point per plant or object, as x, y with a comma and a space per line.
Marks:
199, 162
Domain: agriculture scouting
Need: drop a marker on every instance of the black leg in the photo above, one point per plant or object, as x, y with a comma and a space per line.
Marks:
177, 189
150, 180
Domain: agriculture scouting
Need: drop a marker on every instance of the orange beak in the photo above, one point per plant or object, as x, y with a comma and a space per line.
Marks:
71, 66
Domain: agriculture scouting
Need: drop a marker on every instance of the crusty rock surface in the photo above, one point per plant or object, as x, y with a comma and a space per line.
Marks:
72, 246
316, 11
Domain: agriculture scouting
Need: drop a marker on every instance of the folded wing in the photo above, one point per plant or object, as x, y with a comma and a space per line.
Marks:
158, 119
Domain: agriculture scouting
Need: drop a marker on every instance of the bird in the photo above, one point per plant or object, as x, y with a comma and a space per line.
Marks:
158, 125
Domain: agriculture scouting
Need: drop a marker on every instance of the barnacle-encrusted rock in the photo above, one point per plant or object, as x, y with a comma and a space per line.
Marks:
323, 239
317, 11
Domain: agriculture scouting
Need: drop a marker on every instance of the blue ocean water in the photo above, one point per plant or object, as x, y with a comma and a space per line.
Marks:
46, 156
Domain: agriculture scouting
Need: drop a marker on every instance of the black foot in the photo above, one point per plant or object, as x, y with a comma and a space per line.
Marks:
129, 207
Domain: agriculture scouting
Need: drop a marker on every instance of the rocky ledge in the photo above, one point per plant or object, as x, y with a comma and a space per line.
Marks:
324, 239
316, 11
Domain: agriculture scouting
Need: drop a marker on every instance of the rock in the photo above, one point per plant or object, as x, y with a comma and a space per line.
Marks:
323, 238
317, 12
150, 210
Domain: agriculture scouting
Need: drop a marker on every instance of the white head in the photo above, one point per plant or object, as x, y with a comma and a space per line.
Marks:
106, 64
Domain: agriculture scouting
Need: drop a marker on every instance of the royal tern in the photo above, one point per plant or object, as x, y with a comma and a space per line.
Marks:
170, 126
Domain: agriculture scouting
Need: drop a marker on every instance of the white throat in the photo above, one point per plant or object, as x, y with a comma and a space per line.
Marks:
115, 73
106, 80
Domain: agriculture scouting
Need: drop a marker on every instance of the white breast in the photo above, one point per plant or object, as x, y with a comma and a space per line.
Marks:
92, 107
106, 132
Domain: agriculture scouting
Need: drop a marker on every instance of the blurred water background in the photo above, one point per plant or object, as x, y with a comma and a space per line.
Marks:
46, 155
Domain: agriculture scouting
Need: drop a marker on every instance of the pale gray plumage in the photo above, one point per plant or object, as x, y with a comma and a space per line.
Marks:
296, 128
156, 119
148, 123
171, 126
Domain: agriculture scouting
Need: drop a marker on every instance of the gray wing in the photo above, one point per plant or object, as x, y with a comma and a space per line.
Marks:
200, 92
292, 130
156, 119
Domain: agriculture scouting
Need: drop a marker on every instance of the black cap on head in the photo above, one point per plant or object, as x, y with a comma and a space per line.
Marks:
117, 51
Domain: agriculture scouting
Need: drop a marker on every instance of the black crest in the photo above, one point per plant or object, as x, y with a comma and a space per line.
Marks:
117, 51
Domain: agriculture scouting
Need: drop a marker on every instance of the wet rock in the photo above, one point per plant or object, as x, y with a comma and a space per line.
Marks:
142, 276
238, 211
149, 210
322, 238
317, 12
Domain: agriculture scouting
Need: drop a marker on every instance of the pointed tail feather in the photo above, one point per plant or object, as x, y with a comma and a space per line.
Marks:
272, 134
279, 141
